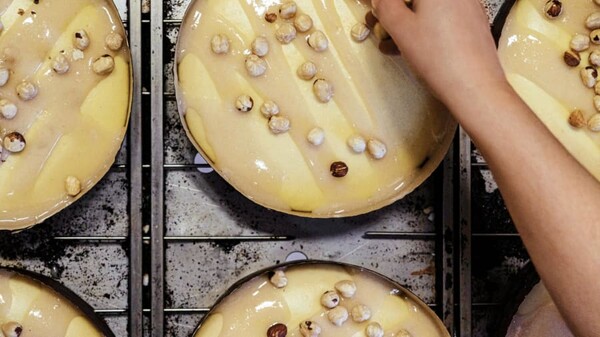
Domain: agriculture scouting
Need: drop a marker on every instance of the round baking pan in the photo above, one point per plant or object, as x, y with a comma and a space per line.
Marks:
277, 188
17, 217
397, 290
49, 285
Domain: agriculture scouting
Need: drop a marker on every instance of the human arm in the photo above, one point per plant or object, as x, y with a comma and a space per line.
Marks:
554, 202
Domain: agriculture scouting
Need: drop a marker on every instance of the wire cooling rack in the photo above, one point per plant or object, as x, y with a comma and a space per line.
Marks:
161, 237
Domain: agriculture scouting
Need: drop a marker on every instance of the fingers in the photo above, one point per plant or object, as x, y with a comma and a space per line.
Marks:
394, 15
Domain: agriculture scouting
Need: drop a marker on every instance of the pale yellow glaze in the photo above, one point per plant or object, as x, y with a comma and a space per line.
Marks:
40, 310
531, 50
251, 309
75, 125
375, 96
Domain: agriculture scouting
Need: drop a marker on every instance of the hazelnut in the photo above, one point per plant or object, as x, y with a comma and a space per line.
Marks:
12, 329
576, 119
27, 90
269, 109
357, 143
303, 23
338, 315
113, 41
360, 313
307, 71
572, 58
72, 186
81, 40
371, 20
597, 102
380, 32
310, 329
4, 76
360, 32
338, 169
77, 55
346, 288
374, 329
270, 17
103, 65
318, 41
255, 65
388, 47
403, 333
219, 44
597, 88
323, 90
594, 123
286, 33
594, 57
595, 36
593, 21
277, 330
589, 75
579, 42
288, 10
316, 136
244, 103
278, 279
279, 124
60, 64
8, 109
376, 148
14, 142
552, 9
330, 299
260, 46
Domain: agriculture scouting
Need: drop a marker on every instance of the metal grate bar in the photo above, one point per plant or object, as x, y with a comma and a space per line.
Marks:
465, 235
157, 322
446, 276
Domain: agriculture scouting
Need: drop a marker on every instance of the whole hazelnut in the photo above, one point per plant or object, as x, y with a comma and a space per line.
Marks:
589, 75
594, 123
316, 136
219, 44
595, 36
270, 17
8, 109
269, 109
307, 71
576, 119
357, 143
374, 329
552, 9
572, 58
330, 299
255, 65
403, 333
278, 278
244, 103
60, 64
72, 186
303, 23
338, 315
376, 148
323, 90
310, 329
286, 33
593, 21
27, 90
113, 41
597, 102
338, 169
360, 32
579, 42
288, 10
318, 41
594, 57
81, 40
12, 329
277, 330
260, 46
14, 142
346, 288
4, 76
279, 124
360, 313
103, 65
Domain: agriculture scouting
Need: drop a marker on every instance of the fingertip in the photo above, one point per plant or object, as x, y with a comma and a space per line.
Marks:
389, 9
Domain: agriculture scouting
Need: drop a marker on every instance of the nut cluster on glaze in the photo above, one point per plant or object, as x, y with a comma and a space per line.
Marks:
588, 71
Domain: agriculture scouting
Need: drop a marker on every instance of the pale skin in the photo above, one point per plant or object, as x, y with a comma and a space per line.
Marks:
554, 202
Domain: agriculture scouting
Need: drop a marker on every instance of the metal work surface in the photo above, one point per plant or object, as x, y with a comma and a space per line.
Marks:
157, 241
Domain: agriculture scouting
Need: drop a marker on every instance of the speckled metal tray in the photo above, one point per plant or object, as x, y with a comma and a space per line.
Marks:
157, 241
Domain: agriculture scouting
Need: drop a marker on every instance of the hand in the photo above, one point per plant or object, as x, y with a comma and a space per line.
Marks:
448, 43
